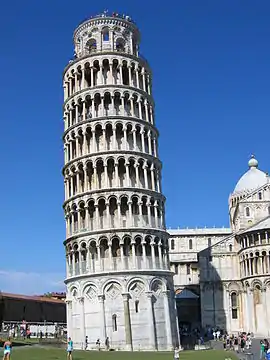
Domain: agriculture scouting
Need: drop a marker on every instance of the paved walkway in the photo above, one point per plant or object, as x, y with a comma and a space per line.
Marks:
255, 350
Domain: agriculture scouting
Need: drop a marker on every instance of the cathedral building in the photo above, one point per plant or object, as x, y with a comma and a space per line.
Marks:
222, 276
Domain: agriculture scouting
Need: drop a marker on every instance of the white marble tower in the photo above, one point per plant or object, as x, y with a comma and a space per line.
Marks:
119, 283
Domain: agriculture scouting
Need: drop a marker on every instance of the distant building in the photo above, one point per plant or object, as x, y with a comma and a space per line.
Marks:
55, 295
15, 307
222, 276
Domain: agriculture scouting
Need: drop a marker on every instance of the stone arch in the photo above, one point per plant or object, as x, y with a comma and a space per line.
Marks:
157, 285
105, 33
233, 286
90, 291
266, 283
112, 289
136, 287
91, 241
91, 45
74, 292
256, 282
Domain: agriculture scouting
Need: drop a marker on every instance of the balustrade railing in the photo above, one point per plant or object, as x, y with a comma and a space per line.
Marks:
117, 264
140, 221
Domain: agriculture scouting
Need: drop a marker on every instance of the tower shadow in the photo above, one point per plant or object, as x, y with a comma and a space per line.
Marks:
214, 297
203, 306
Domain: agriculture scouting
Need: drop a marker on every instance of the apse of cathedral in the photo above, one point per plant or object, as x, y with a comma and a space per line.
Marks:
222, 275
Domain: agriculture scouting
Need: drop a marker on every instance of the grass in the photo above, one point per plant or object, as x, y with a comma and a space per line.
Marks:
35, 353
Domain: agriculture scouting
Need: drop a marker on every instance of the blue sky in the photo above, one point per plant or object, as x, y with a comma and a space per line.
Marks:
210, 61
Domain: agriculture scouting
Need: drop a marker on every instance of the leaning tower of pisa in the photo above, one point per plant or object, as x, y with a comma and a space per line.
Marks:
119, 284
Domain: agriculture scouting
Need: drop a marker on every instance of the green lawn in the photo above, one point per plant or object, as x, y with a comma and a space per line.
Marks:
29, 353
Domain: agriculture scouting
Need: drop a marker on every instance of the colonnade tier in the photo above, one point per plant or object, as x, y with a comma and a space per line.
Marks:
113, 102
256, 284
255, 262
112, 69
114, 212
113, 172
96, 138
254, 253
249, 240
126, 253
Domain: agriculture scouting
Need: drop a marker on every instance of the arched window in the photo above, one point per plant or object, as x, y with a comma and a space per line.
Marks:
137, 306
172, 244
234, 305
260, 196
188, 269
230, 247
190, 245
106, 36
114, 322
120, 45
209, 242
92, 45
247, 211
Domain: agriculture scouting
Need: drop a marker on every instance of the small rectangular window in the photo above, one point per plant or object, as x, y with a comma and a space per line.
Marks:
234, 314
114, 322
188, 269
176, 269
137, 306
209, 242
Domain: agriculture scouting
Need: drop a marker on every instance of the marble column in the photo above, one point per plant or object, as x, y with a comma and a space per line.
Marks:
178, 342
246, 312
69, 318
103, 334
264, 301
127, 322
82, 321
166, 295
151, 330
251, 310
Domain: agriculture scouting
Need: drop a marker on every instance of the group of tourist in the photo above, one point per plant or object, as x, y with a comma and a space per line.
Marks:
237, 343
113, 14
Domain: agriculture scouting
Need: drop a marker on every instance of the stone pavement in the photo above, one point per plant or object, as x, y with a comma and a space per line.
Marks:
255, 350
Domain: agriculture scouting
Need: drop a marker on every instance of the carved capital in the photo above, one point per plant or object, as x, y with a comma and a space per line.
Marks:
126, 296
149, 294
166, 293
101, 298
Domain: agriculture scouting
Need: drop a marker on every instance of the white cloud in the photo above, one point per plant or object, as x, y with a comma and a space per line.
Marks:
19, 282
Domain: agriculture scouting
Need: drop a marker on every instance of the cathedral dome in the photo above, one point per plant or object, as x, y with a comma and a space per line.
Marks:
252, 179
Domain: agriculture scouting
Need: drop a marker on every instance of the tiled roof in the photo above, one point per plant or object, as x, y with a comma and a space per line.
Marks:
31, 298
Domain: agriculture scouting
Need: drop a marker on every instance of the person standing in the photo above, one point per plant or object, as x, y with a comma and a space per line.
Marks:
69, 349
262, 350
176, 353
7, 349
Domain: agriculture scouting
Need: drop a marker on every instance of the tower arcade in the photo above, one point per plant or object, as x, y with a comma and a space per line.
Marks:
118, 277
